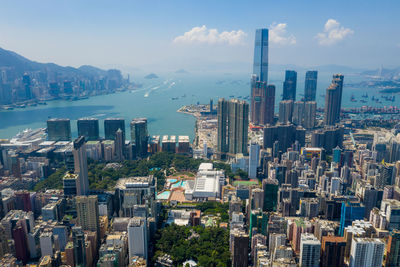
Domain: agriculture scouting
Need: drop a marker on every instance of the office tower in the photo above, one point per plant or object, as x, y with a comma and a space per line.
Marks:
137, 237
332, 251
254, 158
337, 153
285, 134
19, 235
333, 100
310, 111
59, 130
81, 168
239, 248
328, 138
257, 198
79, 246
67, 88
15, 166
119, 145
26, 80
310, 85
6, 93
238, 123
386, 176
233, 122
289, 85
184, 145
391, 209
222, 140
393, 249
168, 144
298, 113
133, 191
4, 248
262, 102
350, 211
87, 209
270, 187
23, 200
366, 252
111, 126
140, 136
89, 128
54, 89
285, 111
370, 200
46, 243
70, 183
260, 63
310, 249
211, 106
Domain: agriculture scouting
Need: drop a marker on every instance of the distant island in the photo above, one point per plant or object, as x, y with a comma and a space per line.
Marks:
181, 71
390, 90
384, 86
151, 76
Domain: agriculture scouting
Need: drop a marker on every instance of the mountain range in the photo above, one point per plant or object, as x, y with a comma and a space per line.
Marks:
20, 64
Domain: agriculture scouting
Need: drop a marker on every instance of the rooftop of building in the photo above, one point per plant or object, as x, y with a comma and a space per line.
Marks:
114, 119
58, 119
183, 138
88, 119
136, 221
108, 142
135, 182
92, 142
70, 175
368, 240
309, 238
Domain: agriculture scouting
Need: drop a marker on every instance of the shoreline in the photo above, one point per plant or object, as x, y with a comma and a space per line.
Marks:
44, 102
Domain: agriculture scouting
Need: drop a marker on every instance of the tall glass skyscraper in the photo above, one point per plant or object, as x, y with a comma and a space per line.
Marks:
140, 136
333, 100
111, 126
289, 85
59, 129
262, 95
89, 128
260, 64
233, 123
310, 86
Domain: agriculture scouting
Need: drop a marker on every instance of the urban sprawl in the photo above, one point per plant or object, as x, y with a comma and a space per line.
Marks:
305, 187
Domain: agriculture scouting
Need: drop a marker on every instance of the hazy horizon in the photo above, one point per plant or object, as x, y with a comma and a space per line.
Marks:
165, 35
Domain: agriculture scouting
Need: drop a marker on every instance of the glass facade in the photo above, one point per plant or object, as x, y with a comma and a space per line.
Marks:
260, 65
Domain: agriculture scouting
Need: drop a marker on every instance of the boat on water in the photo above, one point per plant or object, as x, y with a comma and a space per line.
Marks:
365, 95
174, 98
353, 99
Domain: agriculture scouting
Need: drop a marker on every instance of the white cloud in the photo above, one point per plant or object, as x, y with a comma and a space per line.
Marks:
278, 34
333, 33
211, 36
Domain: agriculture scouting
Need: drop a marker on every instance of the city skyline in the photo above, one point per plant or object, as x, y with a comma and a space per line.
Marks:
217, 162
109, 35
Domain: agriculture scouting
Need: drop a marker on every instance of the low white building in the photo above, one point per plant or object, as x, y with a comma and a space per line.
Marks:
208, 182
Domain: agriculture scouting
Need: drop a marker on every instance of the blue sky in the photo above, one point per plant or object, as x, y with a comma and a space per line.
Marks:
151, 34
